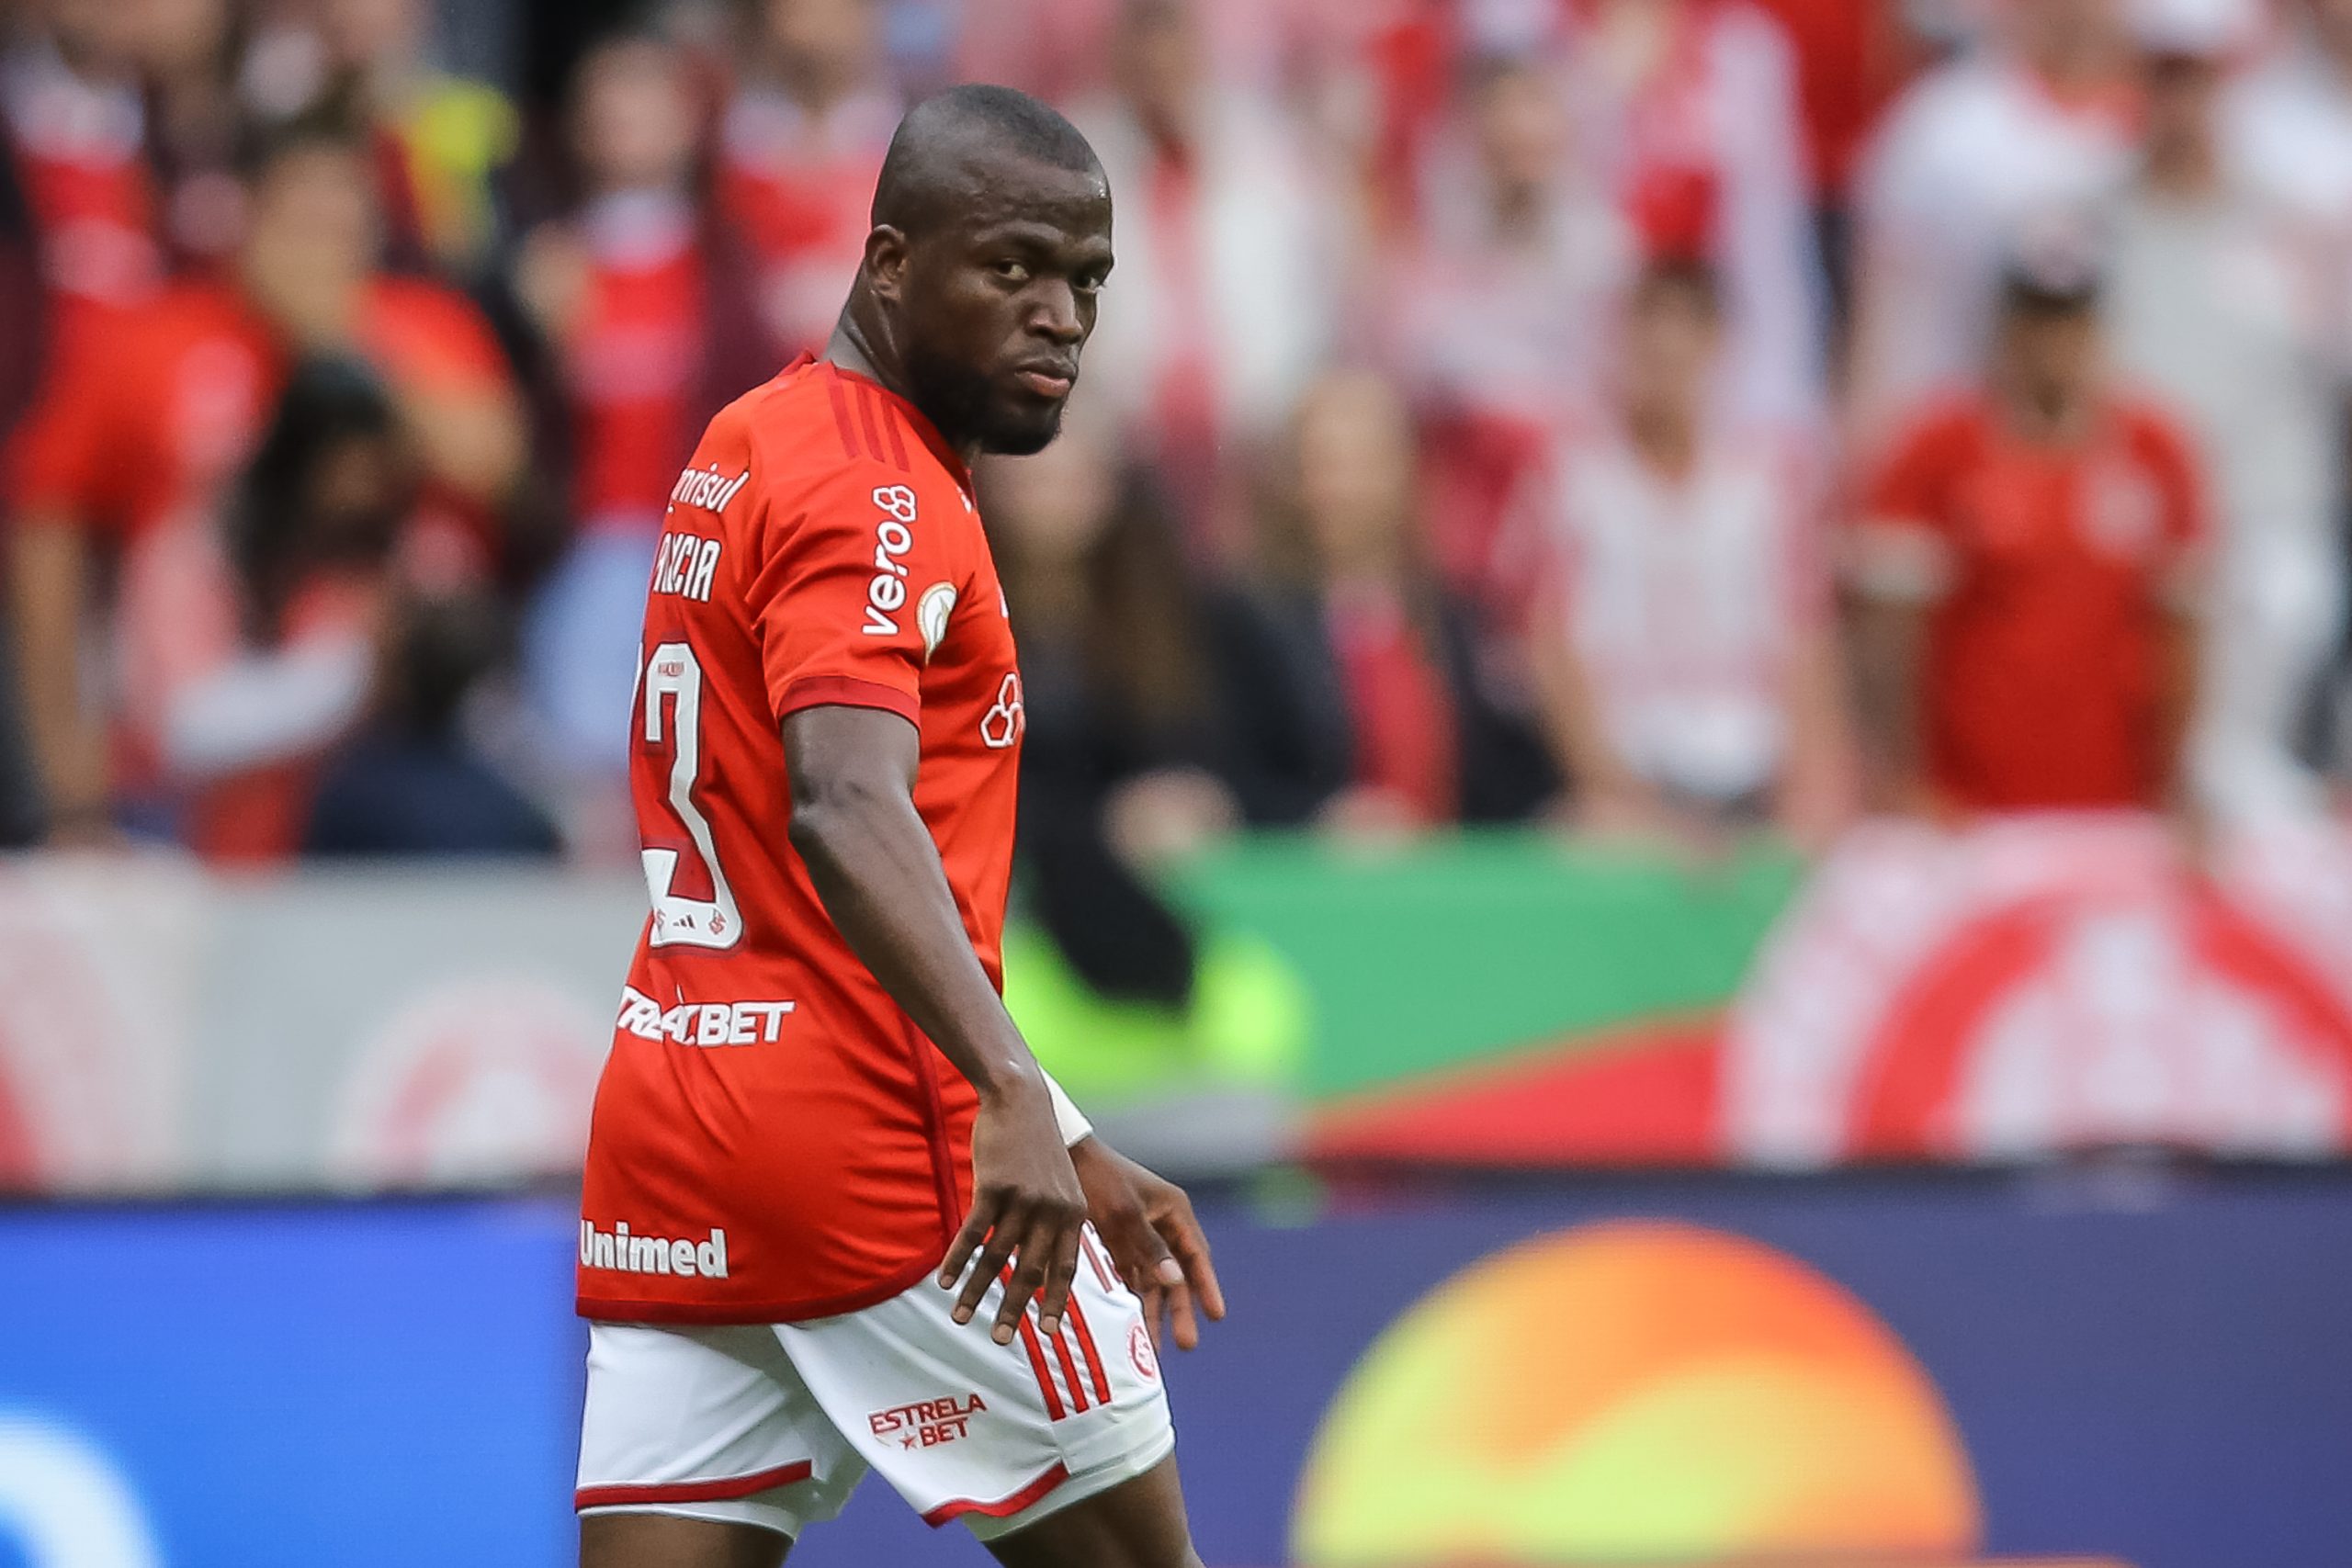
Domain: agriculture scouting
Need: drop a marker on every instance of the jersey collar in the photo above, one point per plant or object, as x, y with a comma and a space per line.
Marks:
926, 432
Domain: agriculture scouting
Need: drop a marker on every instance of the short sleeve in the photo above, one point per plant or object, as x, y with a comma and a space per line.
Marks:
856, 581
1900, 547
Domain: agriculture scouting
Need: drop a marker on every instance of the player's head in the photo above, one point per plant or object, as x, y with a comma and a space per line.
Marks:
992, 240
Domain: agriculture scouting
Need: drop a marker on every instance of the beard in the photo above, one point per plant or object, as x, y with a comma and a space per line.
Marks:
967, 407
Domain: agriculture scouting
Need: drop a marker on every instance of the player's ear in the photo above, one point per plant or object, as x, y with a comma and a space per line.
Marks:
886, 262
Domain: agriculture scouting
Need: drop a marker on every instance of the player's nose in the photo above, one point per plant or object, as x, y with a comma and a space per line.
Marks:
1054, 316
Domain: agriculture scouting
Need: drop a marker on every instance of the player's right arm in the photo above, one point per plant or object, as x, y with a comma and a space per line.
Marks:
876, 866
840, 560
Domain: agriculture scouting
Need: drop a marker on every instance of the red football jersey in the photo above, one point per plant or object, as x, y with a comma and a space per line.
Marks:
773, 1138
2043, 670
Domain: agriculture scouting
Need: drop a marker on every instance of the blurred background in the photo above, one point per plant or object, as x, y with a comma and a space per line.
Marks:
1688, 743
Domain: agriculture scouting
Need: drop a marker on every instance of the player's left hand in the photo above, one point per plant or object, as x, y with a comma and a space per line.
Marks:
1155, 1240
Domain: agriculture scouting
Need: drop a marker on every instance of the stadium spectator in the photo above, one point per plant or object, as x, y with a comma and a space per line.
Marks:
1123, 689
1225, 290
1684, 646
2036, 120
439, 143
414, 781
249, 636
649, 313
1494, 307
1850, 61
2025, 634
191, 53
802, 141
2233, 307
1054, 48
2291, 120
77, 128
1688, 111
145, 423
1368, 696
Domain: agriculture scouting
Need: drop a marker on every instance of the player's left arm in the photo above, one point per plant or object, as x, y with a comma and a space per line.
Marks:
1155, 1239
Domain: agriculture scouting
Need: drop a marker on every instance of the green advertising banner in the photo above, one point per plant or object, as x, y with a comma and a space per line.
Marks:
2018, 986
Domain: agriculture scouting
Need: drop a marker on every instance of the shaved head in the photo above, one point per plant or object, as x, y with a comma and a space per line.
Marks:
982, 273
947, 148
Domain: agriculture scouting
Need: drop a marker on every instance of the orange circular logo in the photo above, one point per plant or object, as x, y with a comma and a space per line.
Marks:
1635, 1391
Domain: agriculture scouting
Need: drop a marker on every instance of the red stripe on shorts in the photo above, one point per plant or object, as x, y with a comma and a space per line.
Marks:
1070, 1368
1002, 1507
1086, 1348
1044, 1377
1102, 1270
724, 1489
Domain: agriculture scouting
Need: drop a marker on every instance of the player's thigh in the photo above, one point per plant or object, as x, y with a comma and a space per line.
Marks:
663, 1540
998, 1436
1137, 1524
707, 1433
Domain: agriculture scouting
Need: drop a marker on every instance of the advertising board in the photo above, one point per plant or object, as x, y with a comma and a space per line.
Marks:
2141, 1366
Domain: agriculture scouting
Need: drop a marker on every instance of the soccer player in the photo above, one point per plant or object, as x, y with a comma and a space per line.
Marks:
834, 1216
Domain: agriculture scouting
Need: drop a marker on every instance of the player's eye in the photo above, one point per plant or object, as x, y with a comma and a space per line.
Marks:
1089, 282
1009, 270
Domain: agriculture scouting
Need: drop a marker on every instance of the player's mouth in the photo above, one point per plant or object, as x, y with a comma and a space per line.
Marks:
1047, 378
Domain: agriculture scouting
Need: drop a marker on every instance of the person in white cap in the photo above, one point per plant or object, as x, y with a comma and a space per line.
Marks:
2223, 301
2036, 118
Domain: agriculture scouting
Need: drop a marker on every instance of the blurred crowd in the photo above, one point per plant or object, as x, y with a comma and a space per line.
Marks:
1669, 418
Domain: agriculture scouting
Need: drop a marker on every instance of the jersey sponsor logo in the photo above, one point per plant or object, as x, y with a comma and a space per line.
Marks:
938, 601
624, 1253
927, 1423
1003, 724
699, 1023
708, 488
685, 565
893, 537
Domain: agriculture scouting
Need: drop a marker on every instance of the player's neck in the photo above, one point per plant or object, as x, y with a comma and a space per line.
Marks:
863, 350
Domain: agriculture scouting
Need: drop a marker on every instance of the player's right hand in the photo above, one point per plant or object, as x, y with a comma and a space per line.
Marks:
1027, 1212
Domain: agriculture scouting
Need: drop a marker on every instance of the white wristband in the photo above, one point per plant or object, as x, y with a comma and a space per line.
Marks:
1076, 1128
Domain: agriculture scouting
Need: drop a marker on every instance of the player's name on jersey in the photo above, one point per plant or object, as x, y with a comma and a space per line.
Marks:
699, 1023
620, 1250
685, 565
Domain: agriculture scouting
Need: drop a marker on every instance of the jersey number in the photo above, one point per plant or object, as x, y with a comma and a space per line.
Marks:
679, 921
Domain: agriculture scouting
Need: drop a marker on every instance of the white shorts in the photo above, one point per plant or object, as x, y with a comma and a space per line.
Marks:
774, 1424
